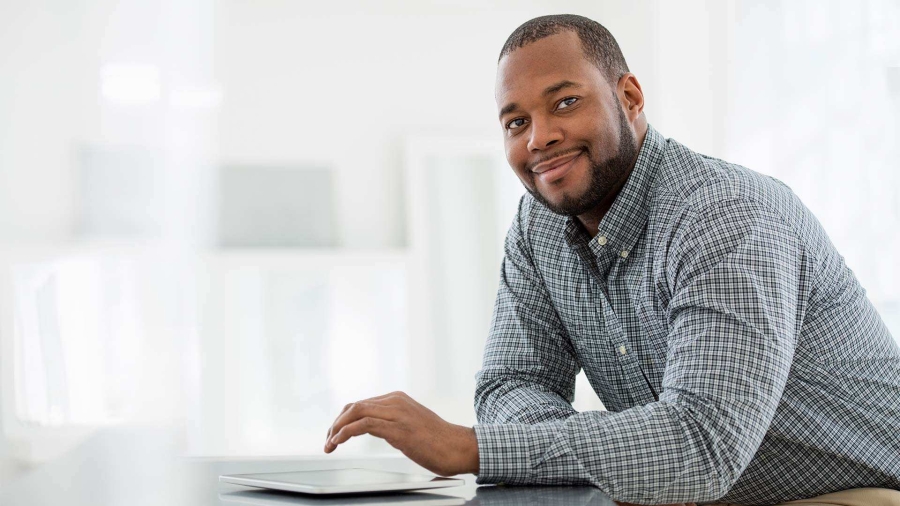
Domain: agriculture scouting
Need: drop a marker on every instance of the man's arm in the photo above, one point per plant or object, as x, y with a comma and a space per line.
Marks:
529, 368
734, 276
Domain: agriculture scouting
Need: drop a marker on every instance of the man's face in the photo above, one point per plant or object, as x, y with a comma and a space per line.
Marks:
566, 135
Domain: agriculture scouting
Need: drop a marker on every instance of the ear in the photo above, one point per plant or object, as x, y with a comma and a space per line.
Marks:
631, 96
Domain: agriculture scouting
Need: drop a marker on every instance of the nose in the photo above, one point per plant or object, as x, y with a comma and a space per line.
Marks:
543, 135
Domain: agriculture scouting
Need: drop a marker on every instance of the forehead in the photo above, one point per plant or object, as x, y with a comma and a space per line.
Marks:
527, 71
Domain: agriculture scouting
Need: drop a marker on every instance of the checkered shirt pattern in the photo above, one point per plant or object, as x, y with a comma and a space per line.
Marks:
737, 356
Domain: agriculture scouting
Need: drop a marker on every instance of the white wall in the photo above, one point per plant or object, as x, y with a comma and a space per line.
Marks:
344, 84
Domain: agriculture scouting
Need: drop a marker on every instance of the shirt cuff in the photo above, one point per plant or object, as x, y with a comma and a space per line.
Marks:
503, 453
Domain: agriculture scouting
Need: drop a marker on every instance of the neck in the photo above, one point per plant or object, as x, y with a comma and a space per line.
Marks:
590, 220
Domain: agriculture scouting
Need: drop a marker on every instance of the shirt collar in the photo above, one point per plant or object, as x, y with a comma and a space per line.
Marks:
624, 223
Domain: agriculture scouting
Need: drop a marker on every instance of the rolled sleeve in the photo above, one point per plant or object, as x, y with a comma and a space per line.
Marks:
503, 452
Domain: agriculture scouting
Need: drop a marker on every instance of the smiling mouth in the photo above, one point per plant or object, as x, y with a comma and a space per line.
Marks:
555, 162
556, 169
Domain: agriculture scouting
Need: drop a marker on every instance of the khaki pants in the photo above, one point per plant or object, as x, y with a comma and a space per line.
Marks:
854, 497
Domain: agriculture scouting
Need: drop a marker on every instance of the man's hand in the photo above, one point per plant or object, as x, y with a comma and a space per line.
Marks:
441, 447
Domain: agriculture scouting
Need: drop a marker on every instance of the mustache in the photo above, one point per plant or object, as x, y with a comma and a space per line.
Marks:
551, 156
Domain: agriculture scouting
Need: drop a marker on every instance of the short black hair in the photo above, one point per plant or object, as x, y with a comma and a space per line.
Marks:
598, 45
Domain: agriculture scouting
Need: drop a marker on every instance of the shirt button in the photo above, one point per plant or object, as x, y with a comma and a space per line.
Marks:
624, 253
601, 240
622, 350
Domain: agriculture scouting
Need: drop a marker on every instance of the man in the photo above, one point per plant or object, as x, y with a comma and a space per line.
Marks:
737, 355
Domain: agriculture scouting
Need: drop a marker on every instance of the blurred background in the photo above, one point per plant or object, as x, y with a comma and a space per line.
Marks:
220, 221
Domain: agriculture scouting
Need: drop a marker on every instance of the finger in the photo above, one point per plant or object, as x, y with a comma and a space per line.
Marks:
331, 428
362, 410
368, 425
382, 399
397, 394
391, 395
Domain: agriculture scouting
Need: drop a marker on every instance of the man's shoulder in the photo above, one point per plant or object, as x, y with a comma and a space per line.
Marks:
689, 182
698, 181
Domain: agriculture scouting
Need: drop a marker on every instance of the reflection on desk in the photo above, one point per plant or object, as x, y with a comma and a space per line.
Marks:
528, 496
276, 498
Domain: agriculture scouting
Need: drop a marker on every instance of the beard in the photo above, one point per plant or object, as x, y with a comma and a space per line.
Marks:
603, 175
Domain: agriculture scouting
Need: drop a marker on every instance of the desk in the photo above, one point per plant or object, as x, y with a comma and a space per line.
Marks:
122, 467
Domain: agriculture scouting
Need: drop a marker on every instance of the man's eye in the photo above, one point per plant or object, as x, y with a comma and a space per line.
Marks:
516, 123
566, 102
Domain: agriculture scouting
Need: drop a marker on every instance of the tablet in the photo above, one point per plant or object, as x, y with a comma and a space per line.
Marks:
341, 481
257, 497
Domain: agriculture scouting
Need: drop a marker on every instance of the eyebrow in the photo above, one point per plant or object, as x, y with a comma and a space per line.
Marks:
559, 86
508, 108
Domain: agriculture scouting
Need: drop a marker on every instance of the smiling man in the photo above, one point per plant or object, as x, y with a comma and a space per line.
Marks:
737, 355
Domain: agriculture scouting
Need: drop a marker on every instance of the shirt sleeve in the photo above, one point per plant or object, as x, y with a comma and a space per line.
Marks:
733, 271
529, 368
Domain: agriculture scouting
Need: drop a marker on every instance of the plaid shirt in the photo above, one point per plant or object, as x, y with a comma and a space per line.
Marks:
737, 355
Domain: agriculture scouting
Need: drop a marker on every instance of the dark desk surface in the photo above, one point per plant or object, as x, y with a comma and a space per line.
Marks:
123, 468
